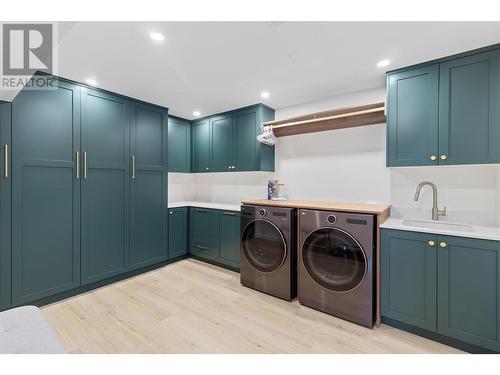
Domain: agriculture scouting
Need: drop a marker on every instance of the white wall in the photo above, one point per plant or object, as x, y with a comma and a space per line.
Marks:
349, 165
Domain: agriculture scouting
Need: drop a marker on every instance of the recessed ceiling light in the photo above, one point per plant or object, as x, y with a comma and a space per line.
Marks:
196, 113
91, 82
157, 36
383, 63
264, 94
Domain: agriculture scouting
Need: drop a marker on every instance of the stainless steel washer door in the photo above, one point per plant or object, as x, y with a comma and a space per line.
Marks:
334, 259
263, 245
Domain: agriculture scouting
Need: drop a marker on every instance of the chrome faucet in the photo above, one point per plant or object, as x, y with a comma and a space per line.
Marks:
435, 212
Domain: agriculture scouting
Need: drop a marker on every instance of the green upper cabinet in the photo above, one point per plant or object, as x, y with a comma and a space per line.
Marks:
250, 154
469, 110
179, 145
445, 112
408, 275
5, 206
228, 142
222, 143
469, 290
412, 121
148, 185
201, 142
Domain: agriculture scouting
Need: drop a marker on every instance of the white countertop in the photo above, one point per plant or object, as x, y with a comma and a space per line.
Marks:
476, 231
212, 205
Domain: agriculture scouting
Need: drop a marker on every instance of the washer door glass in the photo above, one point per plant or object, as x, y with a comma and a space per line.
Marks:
334, 259
263, 245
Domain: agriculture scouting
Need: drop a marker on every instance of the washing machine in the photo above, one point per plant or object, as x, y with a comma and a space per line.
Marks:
268, 250
336, 264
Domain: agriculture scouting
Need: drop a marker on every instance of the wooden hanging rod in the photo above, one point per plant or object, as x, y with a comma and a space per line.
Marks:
330, 120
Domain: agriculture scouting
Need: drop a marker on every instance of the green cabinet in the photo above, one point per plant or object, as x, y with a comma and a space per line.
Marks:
229, 234
227, 142
445, 112
105, 185
204, 229
86, 196
215, 236
469, 290
5, 206
250, 154
177, 232
201, 146
444, 284
179, 145
148, 187
412, 121
408, 275
45, 193
469, 114
222, 143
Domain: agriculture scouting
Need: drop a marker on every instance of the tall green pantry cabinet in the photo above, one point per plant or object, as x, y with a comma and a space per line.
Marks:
5, 206
45, 193
87, 181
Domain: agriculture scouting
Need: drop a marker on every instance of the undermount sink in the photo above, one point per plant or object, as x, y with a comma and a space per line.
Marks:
437, 225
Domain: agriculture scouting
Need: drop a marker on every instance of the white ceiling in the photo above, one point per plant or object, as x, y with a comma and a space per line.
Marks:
217, 66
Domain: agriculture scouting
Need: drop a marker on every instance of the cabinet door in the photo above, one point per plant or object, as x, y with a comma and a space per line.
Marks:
469, 290
148, 188
222, 143
179, 145
412, 120
408, 275
245, 140
105, 186
469, 113
204, 241
5, 206
229, 233
201, 146
178, 232
45, 193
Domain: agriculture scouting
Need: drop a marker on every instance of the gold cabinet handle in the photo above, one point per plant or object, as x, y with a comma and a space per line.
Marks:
433, 157
431, 243
443, 157
443, 244
78, 165
5, 161
133, 167
85, 165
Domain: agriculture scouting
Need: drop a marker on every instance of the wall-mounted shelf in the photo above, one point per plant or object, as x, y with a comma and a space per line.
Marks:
347, 117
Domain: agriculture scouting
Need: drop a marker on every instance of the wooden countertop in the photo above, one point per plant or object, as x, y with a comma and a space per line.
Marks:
378, 209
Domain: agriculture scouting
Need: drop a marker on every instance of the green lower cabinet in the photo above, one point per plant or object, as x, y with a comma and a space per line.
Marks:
408, 275
204, 239
177, 232
469, 290
446, 285
229, 233
215, 236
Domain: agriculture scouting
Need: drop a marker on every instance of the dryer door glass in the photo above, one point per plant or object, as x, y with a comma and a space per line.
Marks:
334, 259
263, 245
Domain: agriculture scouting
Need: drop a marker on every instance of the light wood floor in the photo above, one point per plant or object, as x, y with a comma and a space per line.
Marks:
192, 307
